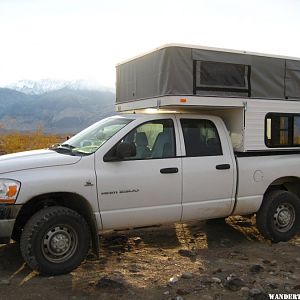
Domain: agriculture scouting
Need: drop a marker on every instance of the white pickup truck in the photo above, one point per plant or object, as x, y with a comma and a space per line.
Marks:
140, 169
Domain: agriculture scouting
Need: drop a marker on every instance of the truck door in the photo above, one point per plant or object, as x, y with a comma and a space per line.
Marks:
208, 168
144, 189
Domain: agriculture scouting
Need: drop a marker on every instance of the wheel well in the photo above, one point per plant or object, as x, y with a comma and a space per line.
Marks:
70, 200
291, 184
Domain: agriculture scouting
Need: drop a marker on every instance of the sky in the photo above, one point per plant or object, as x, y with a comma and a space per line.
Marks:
85, 39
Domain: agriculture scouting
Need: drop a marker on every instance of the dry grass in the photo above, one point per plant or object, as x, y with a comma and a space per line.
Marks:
16, 141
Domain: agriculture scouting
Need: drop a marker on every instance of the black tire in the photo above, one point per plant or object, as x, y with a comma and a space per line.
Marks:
55, 240
278, 218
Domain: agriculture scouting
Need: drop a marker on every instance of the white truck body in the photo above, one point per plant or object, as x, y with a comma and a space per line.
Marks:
196, 158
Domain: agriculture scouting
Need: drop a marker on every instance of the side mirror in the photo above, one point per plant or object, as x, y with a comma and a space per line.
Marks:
120, 151
125, 149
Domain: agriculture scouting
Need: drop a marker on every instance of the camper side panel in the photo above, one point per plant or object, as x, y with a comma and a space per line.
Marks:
255, 121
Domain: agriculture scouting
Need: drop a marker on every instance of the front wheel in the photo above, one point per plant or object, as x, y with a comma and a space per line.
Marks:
55, 240
278, 218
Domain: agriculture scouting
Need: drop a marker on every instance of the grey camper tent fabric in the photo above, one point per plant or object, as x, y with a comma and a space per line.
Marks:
177, 70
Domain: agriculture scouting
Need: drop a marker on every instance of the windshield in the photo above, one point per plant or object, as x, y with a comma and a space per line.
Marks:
93, 137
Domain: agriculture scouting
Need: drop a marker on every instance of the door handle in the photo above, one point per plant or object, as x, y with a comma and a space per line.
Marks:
223, 167
168, 170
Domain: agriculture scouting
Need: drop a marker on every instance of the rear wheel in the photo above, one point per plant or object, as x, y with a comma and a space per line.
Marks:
55, 240
278, 218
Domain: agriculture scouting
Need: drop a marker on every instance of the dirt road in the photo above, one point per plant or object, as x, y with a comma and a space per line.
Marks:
183, 261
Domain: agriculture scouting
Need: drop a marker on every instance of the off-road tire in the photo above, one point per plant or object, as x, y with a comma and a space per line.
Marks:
272, 218
48, 228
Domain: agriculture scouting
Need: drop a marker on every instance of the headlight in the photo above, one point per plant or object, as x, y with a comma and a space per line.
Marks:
9, 190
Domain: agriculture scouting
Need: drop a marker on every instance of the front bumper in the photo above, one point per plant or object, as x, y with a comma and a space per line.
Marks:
8, 215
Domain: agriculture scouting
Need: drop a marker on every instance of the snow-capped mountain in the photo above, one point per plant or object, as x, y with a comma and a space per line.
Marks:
42, 86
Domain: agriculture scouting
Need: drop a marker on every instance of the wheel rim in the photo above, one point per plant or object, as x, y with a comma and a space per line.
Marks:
59, 243
284, 217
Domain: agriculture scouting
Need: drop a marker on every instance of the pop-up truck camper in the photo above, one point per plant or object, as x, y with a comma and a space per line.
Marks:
200, 134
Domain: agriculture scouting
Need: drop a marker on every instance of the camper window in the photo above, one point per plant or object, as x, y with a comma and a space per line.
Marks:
224, 77
282, 130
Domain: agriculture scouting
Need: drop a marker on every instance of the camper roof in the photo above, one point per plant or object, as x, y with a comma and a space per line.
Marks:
181, 70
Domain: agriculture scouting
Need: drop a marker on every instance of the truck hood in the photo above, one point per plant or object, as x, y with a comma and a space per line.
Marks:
35, 159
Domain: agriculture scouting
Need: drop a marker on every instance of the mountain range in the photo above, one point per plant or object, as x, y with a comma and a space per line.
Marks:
57, 107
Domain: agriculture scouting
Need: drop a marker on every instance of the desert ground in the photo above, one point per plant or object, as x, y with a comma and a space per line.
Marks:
197, 260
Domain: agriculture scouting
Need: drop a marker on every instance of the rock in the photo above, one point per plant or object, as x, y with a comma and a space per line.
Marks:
216, 280
187, 275
92, 282
219, 270
218, 297
133, 268
166, 293
273, 286
297, 259
283, 243
266, 262
5, 282
182, 292
205, 280
256, 268
256, 294
254, 291
245, 292
173, 280
106, 282
234, 284
273, 263
186, 253
178, 298
137, 240
258, 287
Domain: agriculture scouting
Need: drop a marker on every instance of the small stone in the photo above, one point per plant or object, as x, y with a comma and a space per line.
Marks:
92, 282
273, 286
182, 292
218, 297
266, 262
297, 287
137, 240
254, 291
245, 291
234, 284
5, 282
187, 275
297, 259
173, 280
256, 294
216, 280
166, 293
219, 270
273, 263
293, 277
283, 243
256, 268
178, 298
106, 282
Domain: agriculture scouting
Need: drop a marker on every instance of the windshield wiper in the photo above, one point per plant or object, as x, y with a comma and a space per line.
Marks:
67, 146
63, 148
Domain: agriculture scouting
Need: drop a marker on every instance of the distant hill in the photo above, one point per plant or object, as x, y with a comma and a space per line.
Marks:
66, 110
32, 87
